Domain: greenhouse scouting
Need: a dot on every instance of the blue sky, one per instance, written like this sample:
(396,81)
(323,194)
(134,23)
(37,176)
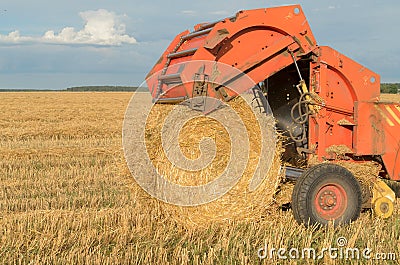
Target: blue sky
(58,44)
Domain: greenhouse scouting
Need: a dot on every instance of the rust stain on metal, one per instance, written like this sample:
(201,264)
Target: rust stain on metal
(220,35)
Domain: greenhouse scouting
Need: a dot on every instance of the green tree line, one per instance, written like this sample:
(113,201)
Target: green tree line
(102,88)
(390,88)
(387,88)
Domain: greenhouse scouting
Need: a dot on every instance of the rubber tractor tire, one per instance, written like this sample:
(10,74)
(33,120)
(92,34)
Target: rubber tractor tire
(326,193)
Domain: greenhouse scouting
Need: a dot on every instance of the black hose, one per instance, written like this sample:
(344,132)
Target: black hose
(302,103)
(303,133)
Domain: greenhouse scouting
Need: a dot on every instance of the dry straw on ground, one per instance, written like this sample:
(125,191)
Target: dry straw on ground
(366,172)
(239,203)
(67,197)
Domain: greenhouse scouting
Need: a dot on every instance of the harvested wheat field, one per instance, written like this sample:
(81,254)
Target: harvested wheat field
(67,197)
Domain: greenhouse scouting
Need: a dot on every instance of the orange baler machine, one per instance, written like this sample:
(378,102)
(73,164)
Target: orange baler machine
(335,99)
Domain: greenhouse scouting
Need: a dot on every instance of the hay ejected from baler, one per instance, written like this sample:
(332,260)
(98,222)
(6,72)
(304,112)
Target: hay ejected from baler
(326,107)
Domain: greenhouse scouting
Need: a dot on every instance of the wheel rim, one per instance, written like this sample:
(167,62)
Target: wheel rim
(331,201)
(383,207)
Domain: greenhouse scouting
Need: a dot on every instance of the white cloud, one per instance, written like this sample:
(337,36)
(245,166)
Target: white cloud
(14,37)
(102,27)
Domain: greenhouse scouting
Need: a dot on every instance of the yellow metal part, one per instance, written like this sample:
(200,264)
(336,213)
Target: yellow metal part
(383,199)
(383,207)
(304,89)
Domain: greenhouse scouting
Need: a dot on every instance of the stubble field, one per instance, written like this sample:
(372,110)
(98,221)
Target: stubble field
(67,197)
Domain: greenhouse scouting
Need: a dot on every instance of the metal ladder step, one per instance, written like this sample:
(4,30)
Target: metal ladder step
(196,34)
(183,53)
(212,24)
(170,100)
(170,79)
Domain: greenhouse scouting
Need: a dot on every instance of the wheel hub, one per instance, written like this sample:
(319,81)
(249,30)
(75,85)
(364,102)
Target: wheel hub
(330,201)
(383,207)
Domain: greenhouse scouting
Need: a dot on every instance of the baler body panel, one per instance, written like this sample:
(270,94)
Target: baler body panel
(339,82)
(378,133)
(254,42)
